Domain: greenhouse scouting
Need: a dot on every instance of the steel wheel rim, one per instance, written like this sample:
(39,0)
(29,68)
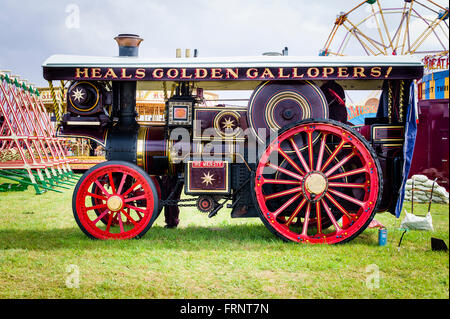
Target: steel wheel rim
(296,197)
(117,203)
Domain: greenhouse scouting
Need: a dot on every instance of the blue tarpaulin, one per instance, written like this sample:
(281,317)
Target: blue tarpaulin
(408,147)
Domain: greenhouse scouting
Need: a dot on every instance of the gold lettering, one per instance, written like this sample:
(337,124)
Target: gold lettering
(84,73)
(233,73)
(158,73)
(266,73)
(140,73)
(281,75)
(252,73)
(215,73)
(388,71)
(95,73)
(110,73)
(201,73)
(327,72)
(358,72)
(311,74)
(342,72)
(184,76)
(295,74)
(172,73)
(375,72)
(124,74)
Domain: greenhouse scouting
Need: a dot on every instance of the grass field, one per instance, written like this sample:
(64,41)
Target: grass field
(207,258)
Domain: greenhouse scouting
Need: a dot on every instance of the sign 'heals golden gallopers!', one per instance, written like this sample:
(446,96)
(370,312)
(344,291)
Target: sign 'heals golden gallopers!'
(215,74)
(259,68)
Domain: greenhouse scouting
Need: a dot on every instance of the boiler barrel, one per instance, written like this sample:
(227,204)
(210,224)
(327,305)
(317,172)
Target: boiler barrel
(145,146)
(152,151)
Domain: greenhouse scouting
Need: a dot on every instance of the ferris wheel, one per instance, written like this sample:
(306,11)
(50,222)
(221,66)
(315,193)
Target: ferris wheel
(392,27)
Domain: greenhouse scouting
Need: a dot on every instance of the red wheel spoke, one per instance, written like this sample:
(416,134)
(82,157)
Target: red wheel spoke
(339,164)
(350,185)
(283,193)
(138,213)
(335,203)
(346,197)
(319,218)
(111,182)
(330,215)
(285,171)
(306,220)
(310,150)
(130,189)
(96,196)
(128,217)
(290,161)
(297,210)
(102,188)
(321,151)
(111,217)
(299,155)
(279,181)
(349,173)
(96,207)
(120,222)
(286,205)
(134,198)
(100,216)
(333,155)
(124,176)
(136,208)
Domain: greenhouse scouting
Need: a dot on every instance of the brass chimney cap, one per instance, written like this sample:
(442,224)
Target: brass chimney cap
(128,40)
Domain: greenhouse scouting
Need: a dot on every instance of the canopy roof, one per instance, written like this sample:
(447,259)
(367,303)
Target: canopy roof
(230,62)
(231,69)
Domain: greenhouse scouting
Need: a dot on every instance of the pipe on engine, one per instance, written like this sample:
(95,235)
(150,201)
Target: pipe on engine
(127,141)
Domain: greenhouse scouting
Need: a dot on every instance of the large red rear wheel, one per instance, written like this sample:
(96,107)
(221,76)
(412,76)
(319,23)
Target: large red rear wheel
(318,181)
(115,200)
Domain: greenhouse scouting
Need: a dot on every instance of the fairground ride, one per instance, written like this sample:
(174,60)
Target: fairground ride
(407,27)
(370,28)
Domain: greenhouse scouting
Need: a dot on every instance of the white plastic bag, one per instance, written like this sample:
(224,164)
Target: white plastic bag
(414,222)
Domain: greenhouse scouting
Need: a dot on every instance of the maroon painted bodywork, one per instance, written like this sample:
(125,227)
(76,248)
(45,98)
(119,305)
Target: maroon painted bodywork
(431,152)
(207,177)
(152,149)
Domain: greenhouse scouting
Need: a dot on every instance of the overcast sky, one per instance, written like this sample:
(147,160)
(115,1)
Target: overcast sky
(30,31)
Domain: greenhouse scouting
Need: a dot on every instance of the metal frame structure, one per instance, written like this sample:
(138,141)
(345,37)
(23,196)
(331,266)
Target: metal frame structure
(398,30)
(30,152)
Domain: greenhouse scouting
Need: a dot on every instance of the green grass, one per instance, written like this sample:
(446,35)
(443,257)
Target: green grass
(207,258)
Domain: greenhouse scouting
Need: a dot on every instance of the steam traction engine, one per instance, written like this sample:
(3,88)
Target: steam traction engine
(289,157)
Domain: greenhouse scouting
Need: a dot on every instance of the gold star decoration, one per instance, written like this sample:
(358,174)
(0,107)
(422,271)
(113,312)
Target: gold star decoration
(228,123)
(208,178)
(77,95)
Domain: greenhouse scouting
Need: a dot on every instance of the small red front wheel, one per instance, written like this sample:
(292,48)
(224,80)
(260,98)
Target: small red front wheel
(115,200)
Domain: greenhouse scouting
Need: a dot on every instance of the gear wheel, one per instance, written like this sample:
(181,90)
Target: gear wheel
(205,204)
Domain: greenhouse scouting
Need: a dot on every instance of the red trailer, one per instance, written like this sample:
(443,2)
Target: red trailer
(431,154)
